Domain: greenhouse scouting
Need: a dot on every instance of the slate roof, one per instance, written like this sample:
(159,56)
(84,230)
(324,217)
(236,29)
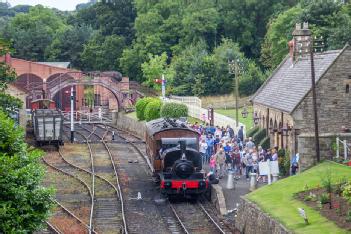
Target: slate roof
(290,83)
(56,64)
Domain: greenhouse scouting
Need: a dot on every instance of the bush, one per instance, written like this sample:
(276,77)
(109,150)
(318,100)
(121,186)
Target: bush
(259,135)
(324,198)
(174,110)
(265,143)
(140,107)
(25,203)
(284,162)
(252,131)
(348,218)
(346,193)
(152,110)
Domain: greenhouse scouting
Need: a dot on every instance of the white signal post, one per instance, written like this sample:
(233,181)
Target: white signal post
(72,115)
(163,87)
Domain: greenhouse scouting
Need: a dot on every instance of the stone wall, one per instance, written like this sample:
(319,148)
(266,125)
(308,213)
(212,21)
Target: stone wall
(307,150)
(128,124)
(20,94)
(252,220)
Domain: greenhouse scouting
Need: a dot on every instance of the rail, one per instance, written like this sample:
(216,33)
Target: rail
(125,227)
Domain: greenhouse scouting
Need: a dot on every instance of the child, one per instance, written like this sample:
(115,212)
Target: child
(213,164)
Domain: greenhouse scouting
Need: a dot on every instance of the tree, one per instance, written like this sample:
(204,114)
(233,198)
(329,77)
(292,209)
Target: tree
(152,110)
(174,110)
(69,44)
(154,68)
(32,33)
(7,74)
(103,53)
(24,203)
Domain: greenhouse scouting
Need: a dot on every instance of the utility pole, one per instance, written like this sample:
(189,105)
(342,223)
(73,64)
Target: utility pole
(236,94)
(234,70)
(304,44)
(72,116)
(314,100)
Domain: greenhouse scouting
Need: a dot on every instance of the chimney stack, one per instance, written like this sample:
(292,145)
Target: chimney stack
(301,40)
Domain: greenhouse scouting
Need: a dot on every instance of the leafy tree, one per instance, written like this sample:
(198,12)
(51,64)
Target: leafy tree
(103,53)
(154,68)
(9,103)
(69,44)
(32,33)
(7,74)
(24,203)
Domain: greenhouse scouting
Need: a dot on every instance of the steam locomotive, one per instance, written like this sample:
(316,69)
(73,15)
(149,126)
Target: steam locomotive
(173,149)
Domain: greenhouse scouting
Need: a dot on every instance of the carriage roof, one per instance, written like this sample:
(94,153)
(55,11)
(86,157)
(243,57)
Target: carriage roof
(165,124)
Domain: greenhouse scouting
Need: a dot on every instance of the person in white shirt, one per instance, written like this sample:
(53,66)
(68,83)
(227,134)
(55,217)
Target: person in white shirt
(203,148)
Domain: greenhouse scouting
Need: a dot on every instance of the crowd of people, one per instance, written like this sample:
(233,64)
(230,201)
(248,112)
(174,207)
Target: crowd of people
(222,150)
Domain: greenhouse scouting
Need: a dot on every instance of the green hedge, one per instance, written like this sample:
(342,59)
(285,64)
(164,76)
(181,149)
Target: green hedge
(174,110)
(265,143)
(252,131)
(152,110)
(141,105)
(259,135)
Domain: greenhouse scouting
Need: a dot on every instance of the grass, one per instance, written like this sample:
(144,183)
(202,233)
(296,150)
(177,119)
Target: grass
(248,121)
(278,199)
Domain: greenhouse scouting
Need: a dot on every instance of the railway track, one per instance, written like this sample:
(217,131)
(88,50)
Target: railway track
(107,206)
(65,219)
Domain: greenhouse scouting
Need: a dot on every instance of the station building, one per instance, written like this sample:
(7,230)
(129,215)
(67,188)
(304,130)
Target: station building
(284,102)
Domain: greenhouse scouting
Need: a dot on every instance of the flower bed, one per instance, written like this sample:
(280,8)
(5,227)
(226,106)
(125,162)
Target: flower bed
(318,199)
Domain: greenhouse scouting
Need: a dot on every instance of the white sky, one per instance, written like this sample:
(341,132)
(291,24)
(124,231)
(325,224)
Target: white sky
(69,5)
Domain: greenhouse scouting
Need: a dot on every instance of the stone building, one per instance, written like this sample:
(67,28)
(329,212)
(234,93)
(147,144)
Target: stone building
(284,102)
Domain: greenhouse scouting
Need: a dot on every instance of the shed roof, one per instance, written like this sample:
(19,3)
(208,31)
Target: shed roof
(56,64)
(290,82)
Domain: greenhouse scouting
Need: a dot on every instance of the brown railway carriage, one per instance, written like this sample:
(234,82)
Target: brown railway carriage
(162,128)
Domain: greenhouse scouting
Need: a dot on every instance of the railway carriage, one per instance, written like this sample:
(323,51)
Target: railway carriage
(173,151)
(47,123)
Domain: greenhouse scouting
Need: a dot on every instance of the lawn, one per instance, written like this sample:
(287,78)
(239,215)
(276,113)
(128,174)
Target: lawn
(248,121)
(277,199)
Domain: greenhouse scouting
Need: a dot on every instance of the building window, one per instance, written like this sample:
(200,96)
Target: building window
(347,90)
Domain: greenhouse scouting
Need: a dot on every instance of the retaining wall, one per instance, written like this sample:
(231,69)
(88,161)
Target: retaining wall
(252,220)
(129,124)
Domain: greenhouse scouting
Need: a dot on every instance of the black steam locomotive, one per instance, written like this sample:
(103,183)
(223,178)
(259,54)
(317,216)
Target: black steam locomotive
(173,151)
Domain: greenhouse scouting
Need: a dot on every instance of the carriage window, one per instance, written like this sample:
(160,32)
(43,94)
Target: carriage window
(347,88)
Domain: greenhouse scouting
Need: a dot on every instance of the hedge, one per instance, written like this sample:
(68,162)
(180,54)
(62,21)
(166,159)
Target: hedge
(174,110)
(252,131)
(152,110)
(259,135)
(140,107)
(265,143)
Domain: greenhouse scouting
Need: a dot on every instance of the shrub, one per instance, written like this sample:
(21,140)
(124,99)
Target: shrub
(346,193)
(284,162)
(265,143)
(25,204)
(174,110)
(140,107)
(252,131)
(327,181)
(324,198)
(152,110)
(259,135)
(339,187)
(348,218)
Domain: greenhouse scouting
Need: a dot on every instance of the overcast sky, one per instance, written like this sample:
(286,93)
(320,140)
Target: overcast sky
(59,4)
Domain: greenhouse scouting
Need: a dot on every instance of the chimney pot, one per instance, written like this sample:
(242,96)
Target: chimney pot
(305,25)
(298,26)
